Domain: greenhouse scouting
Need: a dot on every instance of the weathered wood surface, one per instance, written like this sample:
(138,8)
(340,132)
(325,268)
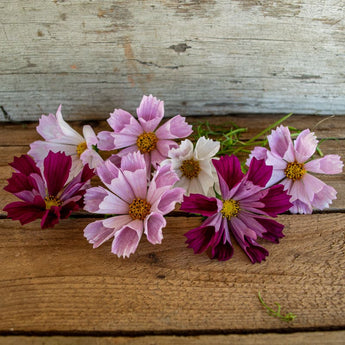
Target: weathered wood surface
(201,56)
(315,338)
(53,283)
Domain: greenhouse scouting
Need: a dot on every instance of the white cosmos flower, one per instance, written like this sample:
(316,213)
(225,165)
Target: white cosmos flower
(61,137)
(194,165)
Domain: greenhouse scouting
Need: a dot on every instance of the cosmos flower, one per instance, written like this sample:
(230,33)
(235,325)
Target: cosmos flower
(193,166)
(45,194)
(292,165)
(131,135)
(244,210)
(139,208)
(61,137)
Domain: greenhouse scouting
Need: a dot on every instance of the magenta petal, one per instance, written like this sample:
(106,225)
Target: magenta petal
(50,217)
(57,167)
(25,164)
(20,182)
(201,204)
(229,172)
(255,252)
(25,212)
(276,201)
(259,173)
(274,230)
(222,248)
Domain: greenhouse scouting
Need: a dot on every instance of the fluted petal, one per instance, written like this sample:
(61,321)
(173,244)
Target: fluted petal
(329,164)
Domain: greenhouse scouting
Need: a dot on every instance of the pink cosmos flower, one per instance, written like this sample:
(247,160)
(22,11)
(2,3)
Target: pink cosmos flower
(291,162)
(244,210)
(143,135)
(139,208)
(61,137)
(45,194)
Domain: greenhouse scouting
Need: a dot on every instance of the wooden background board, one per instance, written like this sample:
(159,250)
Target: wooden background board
(201,56)
(52,283)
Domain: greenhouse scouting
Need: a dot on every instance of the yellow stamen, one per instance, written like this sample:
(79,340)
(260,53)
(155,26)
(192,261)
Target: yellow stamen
(147,142)
(139,209)
(230,208)
(190,168)
(81,148)
(294,171)
(51,200)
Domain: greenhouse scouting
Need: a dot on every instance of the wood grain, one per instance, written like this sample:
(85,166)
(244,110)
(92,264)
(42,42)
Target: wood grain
(52,280)
(201,57)
(314,338)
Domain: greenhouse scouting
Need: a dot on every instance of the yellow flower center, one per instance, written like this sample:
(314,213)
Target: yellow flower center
(230,208)
(190,168)
(51,200)
(147,142)
(81,148)
(294,171)
(139,209)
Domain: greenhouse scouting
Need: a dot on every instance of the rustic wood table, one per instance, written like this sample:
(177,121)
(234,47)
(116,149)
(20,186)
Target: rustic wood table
(56,289)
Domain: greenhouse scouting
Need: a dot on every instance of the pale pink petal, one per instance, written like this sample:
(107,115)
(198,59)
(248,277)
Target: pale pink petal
(128,150)
(153,225)
(96,233)
(127,239)
(138,182)
(169,199)
(177,127)
(305,145)
(107,172)
(324,198)
(106,141)
(156,158)
(40,149)
(120,119)
(90,136)
(48,127)
(112,204)
(301,207)
(206,148)
(277,176)
(312,186)
(93,197)
(164,146)
(117,222)
(280,143)
(92,158)
(329,164)
(299,191)
(276,161)
(259,153)
(150,113)
(133,161)
(124,140)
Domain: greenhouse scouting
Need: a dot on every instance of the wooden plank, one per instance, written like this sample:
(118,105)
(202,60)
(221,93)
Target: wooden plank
(203,57)
(52,281)
(314,338)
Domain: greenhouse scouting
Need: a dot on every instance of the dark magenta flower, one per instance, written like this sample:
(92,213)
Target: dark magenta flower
(45,194)
(244,210)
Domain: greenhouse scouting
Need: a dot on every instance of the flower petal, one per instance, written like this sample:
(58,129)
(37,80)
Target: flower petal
(259,173)
(150,112)
(127,239)
(197,203)
(25,164)
(305,145)
(206,148)
(281,144)
(324,197)
(169,199)
(153,225)
(177,127)
(56,171)
(329,164)
(50,217)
